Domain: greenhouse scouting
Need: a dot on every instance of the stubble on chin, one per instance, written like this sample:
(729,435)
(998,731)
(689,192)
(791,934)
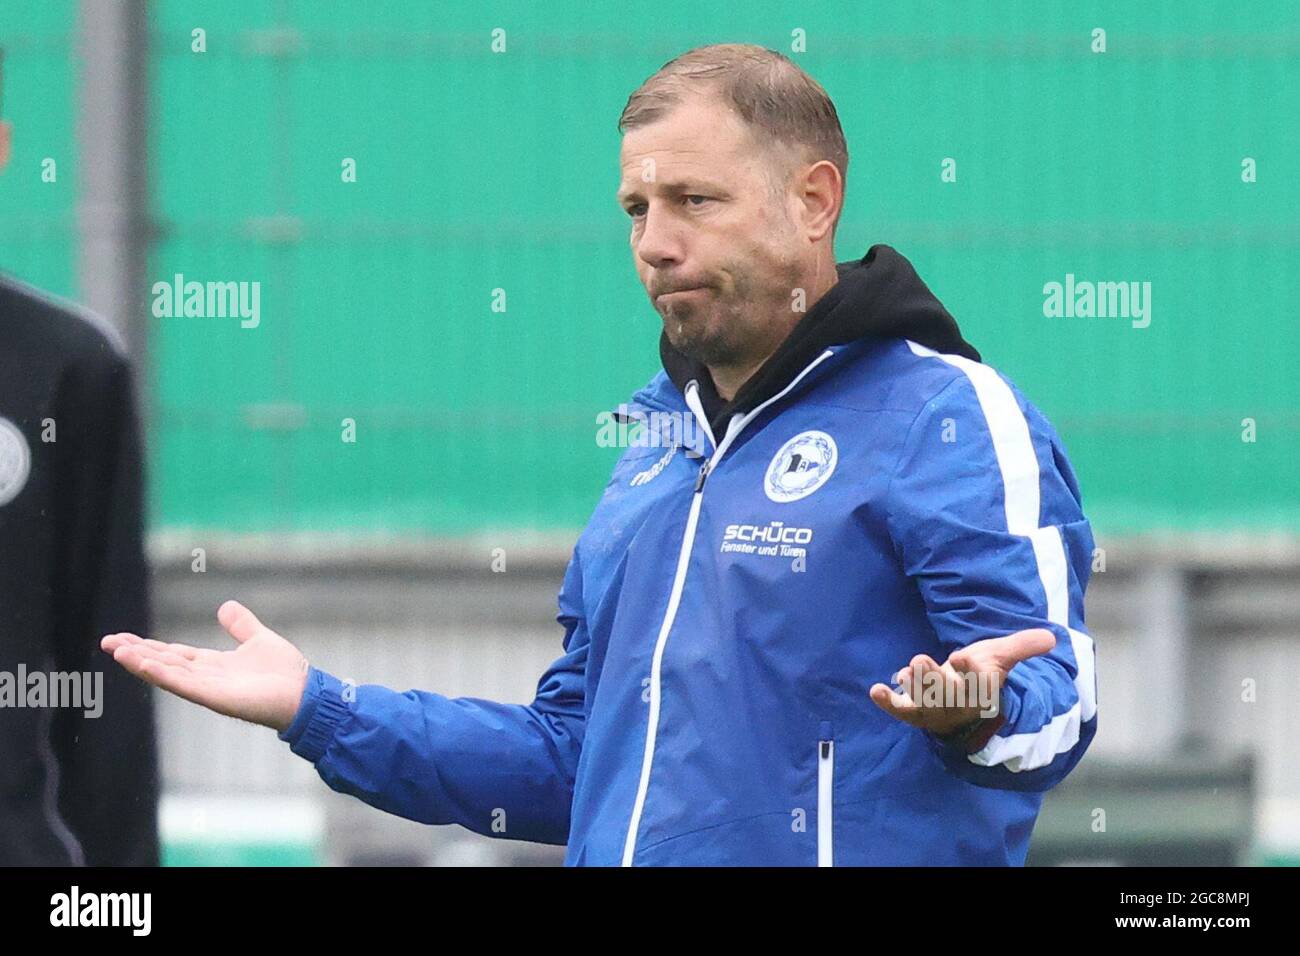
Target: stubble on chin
(691,335)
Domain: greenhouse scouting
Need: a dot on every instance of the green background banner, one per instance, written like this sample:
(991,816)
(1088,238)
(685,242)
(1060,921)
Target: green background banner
(479,171)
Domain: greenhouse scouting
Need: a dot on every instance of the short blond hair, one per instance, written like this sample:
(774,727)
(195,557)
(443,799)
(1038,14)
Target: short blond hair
(779,102)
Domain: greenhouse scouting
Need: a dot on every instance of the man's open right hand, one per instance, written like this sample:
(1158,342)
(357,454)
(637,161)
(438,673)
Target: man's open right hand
(260,681)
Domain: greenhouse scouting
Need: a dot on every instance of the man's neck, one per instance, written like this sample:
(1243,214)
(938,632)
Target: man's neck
(729,379)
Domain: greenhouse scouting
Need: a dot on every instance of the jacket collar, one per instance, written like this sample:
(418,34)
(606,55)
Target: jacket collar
(878,296)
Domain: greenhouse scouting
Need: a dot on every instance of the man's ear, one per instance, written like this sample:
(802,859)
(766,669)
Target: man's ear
(823,198)
(6,137)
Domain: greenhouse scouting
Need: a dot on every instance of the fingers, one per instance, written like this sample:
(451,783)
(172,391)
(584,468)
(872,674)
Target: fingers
(239,622)
(111,642)
(182,650)
(204,679)
(149,664)
(915,677)
(907,676)
(928,694)
(922,663)
(132,656)
(176,675)
(1003,653)
(896,705)
(932,692)
(1031,643)
(172,677)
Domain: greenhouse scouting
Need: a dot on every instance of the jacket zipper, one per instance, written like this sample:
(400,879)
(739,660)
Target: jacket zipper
(734,428)
(825,796)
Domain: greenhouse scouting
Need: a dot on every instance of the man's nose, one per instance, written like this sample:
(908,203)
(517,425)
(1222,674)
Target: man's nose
(661,242)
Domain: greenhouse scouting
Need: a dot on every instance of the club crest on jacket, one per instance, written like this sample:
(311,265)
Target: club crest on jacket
(803,464)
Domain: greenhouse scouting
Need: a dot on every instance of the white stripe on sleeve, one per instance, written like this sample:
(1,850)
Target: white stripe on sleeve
(1018,465)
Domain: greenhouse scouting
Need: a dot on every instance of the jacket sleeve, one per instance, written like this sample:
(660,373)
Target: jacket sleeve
(107,761)
(985,516)
(504,770)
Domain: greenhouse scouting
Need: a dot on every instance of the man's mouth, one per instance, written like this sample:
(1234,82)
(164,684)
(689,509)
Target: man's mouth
(665,295)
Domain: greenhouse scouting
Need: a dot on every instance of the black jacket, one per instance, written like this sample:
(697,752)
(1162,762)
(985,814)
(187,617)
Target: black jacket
(73,789)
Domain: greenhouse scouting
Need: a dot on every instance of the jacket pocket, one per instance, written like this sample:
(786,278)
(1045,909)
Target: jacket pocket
(825,795)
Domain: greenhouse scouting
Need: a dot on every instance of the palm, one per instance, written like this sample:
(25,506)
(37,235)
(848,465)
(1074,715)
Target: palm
(261,680)
(993,658)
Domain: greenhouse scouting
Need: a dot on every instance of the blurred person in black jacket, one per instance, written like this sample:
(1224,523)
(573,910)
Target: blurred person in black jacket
(74,788)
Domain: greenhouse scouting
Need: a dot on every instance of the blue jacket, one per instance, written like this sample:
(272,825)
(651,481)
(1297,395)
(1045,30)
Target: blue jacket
(727,608)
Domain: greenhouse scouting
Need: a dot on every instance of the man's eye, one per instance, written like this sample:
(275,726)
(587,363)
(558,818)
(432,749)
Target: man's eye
(636,210)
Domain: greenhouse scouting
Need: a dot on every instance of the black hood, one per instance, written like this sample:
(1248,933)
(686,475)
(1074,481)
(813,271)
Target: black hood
(878,296)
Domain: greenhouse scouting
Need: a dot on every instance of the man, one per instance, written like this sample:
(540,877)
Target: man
(871,501)
(79,783)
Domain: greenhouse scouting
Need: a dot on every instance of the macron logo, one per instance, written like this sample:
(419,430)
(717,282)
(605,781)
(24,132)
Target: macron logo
(650,474)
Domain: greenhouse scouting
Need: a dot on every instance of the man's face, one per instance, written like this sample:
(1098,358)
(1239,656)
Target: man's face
(709,222)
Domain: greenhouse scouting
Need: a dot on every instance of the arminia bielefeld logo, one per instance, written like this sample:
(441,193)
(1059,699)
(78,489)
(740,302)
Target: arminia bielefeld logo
(803,465)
